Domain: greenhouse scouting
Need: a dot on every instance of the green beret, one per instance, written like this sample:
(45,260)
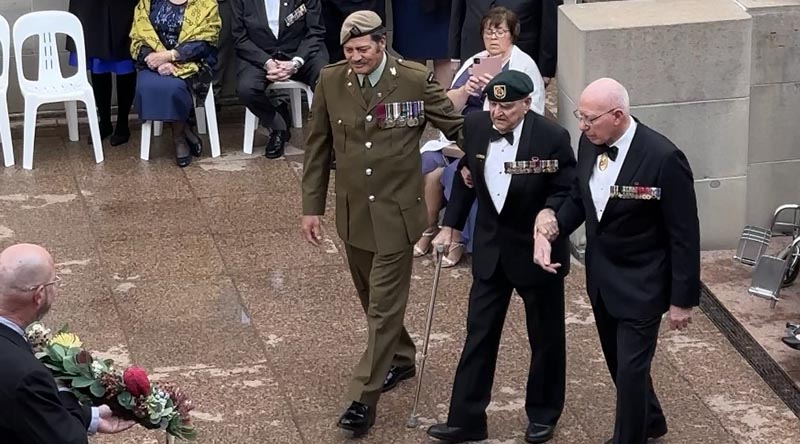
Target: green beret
(509,86)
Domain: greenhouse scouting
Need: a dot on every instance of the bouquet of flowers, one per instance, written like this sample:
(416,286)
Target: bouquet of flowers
(128,392)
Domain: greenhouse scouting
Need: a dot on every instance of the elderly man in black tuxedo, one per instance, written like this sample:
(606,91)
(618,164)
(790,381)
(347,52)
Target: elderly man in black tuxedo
(276,40)
(538,20)
(635,191)
(32,408)
(520,163)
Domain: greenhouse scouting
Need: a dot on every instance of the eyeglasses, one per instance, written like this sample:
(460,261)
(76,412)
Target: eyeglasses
(500,33)
(589,121)
(56,282)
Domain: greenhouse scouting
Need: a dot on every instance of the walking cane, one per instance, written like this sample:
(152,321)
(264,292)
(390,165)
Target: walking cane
(413,421)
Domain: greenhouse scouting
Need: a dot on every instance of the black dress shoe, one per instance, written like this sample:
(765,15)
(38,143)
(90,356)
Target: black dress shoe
(397,374)
(651,434)
(106,129)
(539,433)
(454,435)
(120,136)
(195,148)
(358,418)
(277,140)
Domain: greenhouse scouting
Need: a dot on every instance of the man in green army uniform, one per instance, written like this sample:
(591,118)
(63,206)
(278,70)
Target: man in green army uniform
(370,110)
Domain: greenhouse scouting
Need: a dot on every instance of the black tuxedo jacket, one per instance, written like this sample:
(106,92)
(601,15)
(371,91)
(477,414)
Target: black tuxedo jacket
(643,255)
(255,42)
(507,238)
(32,410)
(538,20)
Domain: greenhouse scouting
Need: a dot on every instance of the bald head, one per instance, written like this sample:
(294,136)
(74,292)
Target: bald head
(22,268)
(608,93)
(605,109)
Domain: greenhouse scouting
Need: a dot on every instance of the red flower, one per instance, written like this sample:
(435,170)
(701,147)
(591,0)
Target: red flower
(136,382)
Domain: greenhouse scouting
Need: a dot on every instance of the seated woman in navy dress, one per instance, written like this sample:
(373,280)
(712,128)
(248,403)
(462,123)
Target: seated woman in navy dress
(500,29)
(173,42)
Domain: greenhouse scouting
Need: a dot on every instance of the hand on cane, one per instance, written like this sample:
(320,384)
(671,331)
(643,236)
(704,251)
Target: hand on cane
(442,242)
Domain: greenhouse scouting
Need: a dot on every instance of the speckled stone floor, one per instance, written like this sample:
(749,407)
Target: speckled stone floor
(200,276)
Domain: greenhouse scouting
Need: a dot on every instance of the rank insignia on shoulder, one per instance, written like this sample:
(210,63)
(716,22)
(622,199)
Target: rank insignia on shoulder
(430,78)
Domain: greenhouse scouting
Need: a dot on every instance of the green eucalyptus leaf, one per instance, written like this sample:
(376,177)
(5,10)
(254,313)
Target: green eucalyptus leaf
(81,382)
(125,399)
(97,389)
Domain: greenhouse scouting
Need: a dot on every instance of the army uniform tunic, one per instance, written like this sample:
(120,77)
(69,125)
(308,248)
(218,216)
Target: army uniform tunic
(375,133)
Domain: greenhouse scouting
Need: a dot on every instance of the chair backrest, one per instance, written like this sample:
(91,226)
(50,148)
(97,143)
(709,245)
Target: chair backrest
(5,45)
(46,24)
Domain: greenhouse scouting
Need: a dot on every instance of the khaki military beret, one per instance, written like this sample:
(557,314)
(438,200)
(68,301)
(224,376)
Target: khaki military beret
(359,23)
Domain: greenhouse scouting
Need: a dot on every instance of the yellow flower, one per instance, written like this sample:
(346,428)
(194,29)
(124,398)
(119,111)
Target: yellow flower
(67,340)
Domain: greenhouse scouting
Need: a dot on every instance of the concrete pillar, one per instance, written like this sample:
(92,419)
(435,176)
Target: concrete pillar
(686,65)
(774,154)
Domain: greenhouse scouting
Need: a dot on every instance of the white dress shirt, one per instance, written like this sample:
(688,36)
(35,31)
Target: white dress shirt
(600,182)
(499,152)
(273,15)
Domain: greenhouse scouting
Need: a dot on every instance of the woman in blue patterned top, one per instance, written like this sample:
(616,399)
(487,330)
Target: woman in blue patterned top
(174,43)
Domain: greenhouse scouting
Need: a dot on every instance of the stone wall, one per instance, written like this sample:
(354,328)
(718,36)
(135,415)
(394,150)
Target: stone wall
(719,78)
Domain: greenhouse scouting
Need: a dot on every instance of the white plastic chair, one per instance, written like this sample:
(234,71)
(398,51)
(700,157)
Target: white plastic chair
(251,121)
(5,122)
(206,111)
(52,86)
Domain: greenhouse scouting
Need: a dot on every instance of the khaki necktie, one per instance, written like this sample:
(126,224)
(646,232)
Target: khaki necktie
(367,90)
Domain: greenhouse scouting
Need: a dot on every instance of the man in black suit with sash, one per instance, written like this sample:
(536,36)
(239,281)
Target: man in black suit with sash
(276,40)
(32,408)
(538,21)
(635,191)
(520,163)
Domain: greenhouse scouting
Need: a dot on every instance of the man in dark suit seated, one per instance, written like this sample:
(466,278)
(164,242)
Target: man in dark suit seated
(276,41)
(520,163)
(32,408)
(635,191)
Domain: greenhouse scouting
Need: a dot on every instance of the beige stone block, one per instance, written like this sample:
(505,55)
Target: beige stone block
(774,132)
(776,42)
(662,52)
(713,134)
(770,185)
(721,210)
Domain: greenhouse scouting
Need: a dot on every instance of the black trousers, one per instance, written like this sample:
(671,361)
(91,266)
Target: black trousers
(629,346)
(226,57)
(333,14)
(544,315)
(252,83)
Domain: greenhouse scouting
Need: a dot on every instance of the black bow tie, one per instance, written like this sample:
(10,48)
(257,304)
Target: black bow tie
(611,150)
(497,136)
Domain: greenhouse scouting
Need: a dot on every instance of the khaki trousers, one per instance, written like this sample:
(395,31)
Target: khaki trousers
(382,282)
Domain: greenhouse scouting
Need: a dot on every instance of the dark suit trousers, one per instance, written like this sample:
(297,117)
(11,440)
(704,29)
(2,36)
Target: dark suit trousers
(544,314)
(252,85)
(382,282)
(629,346)
(226,59)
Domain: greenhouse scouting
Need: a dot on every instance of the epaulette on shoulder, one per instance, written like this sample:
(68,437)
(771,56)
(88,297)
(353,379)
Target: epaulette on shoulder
(333,65)
(412,65)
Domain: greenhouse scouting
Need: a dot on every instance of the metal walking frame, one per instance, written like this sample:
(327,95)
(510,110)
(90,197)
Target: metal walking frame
(772,273)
